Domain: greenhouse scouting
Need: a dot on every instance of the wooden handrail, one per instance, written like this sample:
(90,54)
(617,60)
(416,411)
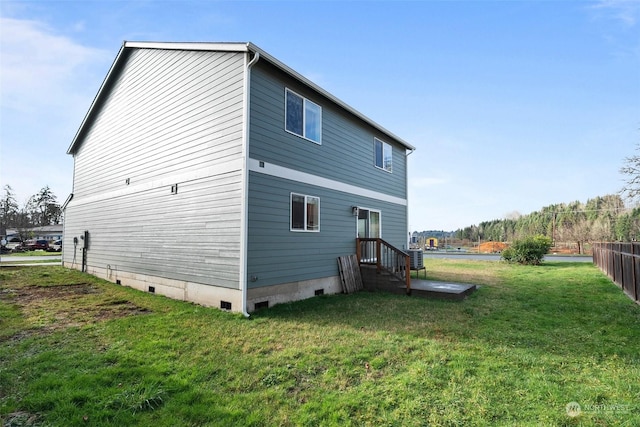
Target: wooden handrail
(375,251)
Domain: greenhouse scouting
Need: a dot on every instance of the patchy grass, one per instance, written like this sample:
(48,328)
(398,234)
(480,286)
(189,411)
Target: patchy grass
(75,350)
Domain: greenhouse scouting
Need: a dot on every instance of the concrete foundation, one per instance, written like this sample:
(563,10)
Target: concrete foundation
(269,296)
(218,296)
(205,295)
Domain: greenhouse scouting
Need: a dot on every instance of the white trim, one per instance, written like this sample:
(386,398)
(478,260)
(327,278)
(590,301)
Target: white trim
(207,46)
(167,181)
(304,116)
(318,181)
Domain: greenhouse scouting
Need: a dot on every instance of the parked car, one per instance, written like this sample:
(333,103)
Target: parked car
(56,247)
(12,244)
(34,245)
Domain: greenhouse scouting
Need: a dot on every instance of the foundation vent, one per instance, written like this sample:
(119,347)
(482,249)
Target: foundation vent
(152,289)
(225,305)
(318,292)
(261,304)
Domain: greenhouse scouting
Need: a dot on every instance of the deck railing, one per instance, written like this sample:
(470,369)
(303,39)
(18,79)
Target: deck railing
(386,257)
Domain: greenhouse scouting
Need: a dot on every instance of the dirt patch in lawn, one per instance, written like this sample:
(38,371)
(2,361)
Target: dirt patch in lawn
(51,308)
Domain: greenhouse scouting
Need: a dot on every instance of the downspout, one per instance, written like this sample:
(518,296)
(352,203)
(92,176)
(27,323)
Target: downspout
(244,214)
(406,185)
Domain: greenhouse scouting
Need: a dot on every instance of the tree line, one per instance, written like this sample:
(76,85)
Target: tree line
(599,219)
(39,210)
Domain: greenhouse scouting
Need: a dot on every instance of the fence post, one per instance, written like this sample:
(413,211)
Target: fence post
(621,261)
(610,269)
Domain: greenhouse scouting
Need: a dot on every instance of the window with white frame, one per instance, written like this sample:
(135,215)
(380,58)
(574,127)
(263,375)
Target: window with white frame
(383,154)
(303,117)
(305,213)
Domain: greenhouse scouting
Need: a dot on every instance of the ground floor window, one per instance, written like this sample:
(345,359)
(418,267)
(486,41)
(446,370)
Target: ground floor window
(305,212)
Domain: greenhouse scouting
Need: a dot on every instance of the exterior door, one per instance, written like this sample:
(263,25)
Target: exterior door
(368,227)
(368,223)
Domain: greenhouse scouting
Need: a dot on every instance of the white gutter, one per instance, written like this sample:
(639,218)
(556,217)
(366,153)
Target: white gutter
(244,214)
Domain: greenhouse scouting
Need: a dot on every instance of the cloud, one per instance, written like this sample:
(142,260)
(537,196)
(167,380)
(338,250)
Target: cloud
(625,11)
(39,67)
(47,83)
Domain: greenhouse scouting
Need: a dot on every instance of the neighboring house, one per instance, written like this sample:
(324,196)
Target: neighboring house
(214,173)
(45,232)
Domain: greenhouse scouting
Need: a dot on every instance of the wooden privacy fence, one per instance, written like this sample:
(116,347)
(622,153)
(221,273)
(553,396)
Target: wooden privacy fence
(621,262)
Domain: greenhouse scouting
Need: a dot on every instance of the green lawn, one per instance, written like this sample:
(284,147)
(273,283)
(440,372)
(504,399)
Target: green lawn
(54,257)
(37,253)
(75,350)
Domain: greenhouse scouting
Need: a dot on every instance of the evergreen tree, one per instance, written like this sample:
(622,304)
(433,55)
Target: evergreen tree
(8,210)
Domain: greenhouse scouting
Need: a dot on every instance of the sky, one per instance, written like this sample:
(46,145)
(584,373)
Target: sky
(511,105)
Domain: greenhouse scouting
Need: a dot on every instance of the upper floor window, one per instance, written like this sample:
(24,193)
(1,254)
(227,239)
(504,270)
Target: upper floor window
(305,213)
(383,154)
(303,117)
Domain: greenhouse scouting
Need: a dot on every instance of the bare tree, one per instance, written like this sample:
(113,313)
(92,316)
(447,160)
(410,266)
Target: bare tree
(632,170)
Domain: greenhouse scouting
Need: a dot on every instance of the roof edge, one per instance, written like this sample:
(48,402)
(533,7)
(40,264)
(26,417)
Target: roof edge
(207,46)
(223,47)
(253,48)
(89,113)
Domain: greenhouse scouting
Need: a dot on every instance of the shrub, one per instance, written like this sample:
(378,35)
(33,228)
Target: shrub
(529,250)
(508,254)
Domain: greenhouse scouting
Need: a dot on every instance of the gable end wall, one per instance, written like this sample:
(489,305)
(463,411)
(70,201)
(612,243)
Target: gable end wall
(170,118)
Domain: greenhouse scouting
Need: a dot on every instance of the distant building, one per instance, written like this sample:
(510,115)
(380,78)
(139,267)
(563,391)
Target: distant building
(431,243)
(46,232)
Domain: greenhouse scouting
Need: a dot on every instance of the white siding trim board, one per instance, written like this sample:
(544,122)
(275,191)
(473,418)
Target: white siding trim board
(306,178)
(217,170)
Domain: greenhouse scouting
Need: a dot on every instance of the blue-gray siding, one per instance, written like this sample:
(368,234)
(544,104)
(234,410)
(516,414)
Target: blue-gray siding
(170,117)
(175,117)
(347,150)
(278,255)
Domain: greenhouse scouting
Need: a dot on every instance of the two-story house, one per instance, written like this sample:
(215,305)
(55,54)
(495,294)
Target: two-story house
(214,173)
